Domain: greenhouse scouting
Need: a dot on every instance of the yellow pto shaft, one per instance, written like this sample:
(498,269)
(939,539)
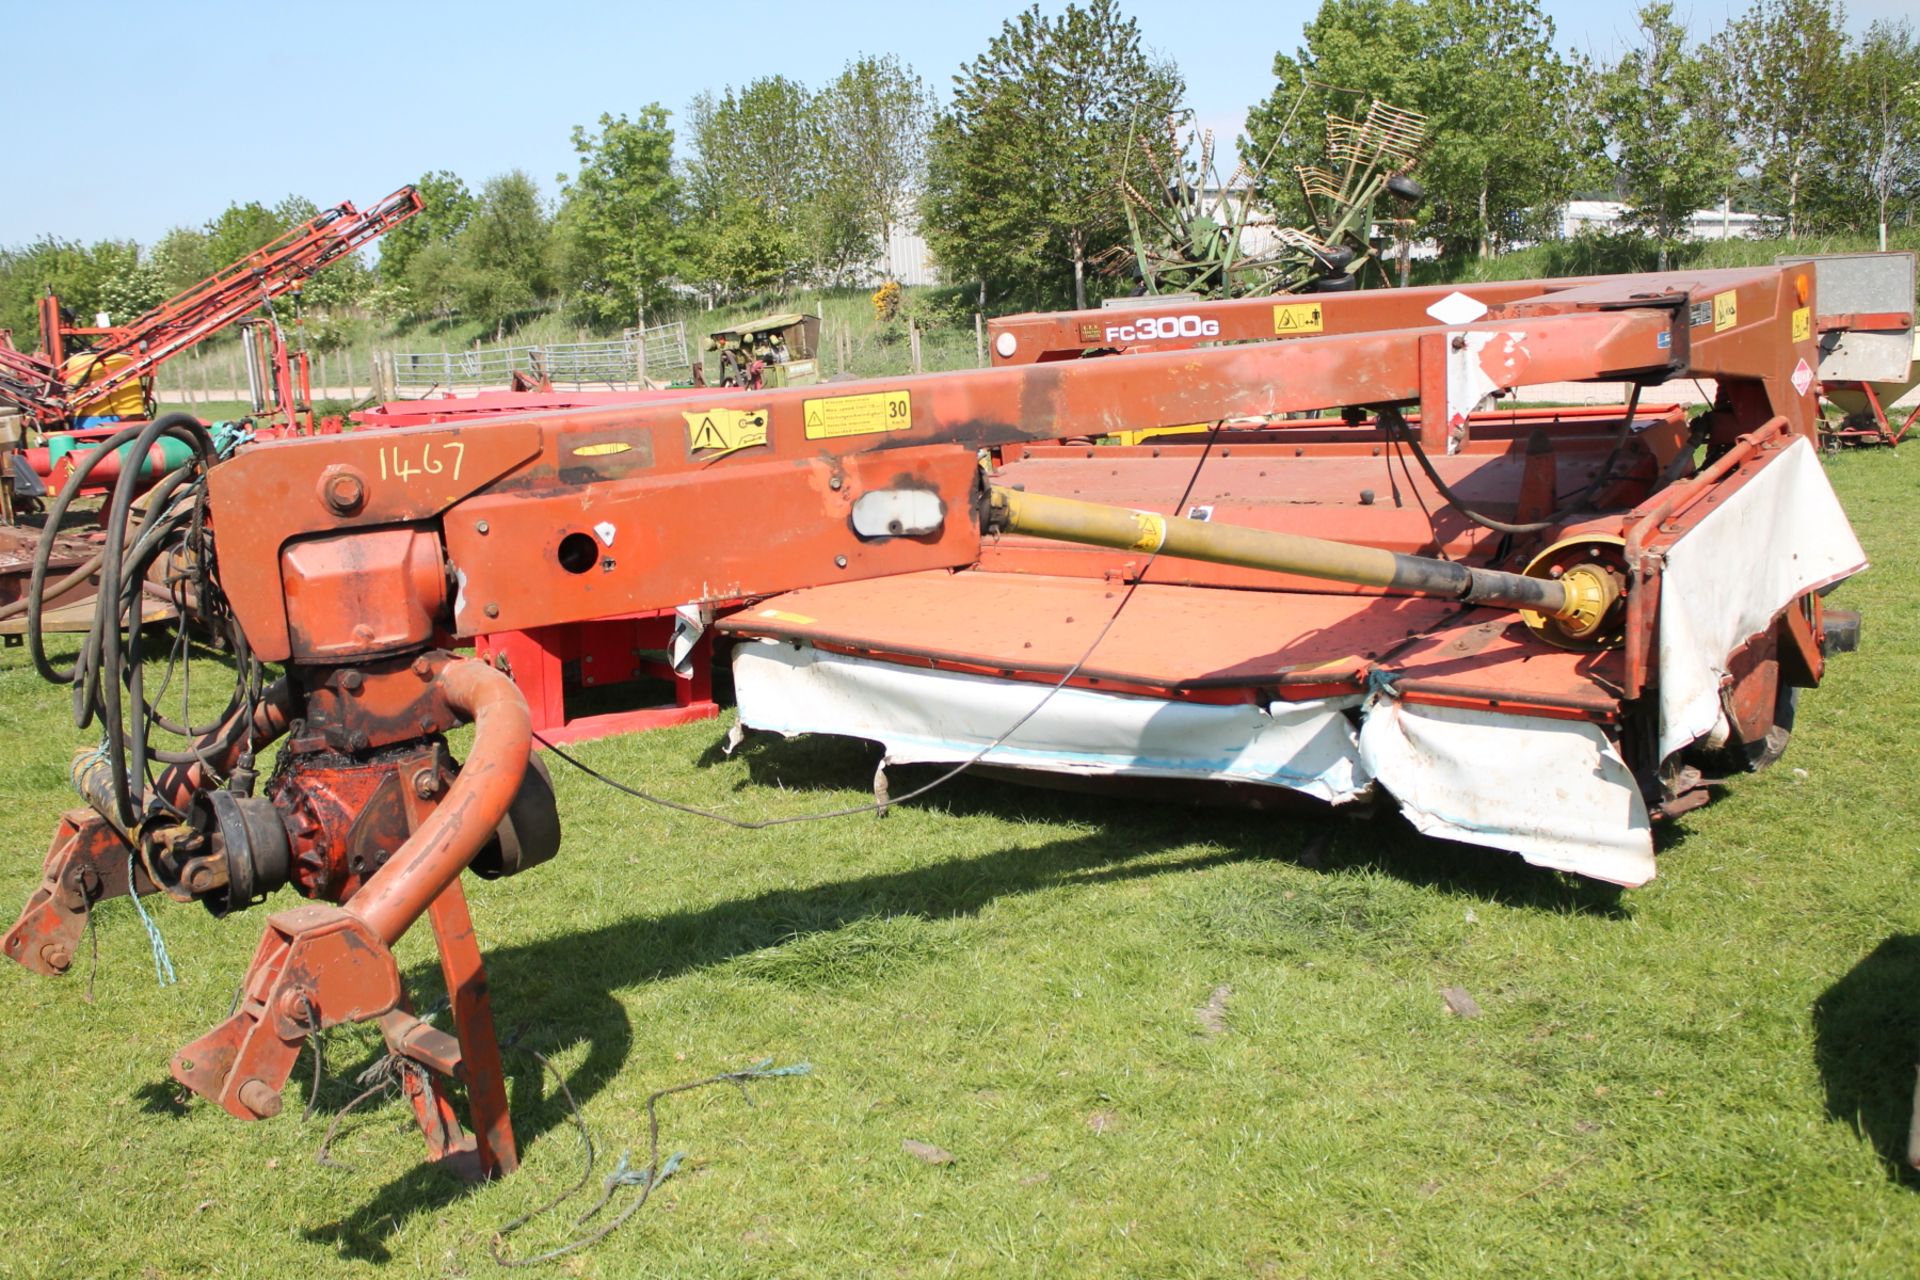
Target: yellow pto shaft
(1573,605)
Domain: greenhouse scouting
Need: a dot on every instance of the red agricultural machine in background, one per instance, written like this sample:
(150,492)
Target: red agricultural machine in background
(85,382)
(83,372)
(1540,631)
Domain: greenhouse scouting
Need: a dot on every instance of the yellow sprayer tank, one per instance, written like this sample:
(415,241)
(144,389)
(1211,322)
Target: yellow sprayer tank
(126,401)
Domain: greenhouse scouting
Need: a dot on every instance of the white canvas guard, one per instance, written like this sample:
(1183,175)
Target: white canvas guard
(1556,792)
(1779,536)
(923,716)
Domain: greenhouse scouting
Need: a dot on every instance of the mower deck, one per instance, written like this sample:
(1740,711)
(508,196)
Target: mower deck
(1229,676)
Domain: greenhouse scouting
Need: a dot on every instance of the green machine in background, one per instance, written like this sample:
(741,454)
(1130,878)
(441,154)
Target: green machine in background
(773,351)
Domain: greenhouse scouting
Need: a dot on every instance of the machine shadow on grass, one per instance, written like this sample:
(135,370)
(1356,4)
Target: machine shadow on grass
(1318,836)
(1866,1036)
(1129,839)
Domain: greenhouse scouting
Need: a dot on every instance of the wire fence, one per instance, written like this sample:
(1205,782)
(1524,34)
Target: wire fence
(630,361)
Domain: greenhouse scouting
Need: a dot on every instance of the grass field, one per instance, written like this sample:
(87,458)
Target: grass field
(1708,1076)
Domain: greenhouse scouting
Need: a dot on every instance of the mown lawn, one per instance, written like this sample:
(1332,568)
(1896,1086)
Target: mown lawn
(1710,1075)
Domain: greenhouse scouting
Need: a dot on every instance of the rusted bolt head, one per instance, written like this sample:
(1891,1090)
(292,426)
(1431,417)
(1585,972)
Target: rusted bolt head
(293,1006)
(343,490)
(423,668)
(363,633)
(200,879)
(351,681)
(258,1098)
(1459,342)
(56,956)
(493,610)
(425,783)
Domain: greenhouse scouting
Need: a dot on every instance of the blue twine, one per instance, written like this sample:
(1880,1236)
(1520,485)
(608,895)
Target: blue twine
(626,1176)
(1382,683)
(162,964)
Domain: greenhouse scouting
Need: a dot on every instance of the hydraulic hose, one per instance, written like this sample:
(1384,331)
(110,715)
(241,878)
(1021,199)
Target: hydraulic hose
(111,661)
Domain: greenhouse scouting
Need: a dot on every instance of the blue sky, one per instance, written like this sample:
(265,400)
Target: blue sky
(212,101)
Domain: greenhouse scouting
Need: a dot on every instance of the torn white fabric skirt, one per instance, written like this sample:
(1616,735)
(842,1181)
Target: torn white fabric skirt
(923,716)
(1774,539)
(1556,792)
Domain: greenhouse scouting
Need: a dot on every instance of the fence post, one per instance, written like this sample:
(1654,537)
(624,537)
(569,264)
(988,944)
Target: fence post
(979,343)
(913,343)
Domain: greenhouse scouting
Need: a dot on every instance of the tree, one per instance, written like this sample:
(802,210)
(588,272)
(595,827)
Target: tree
(130,284)
(617,216)
(1354,50)
(1670,144)
(1875,139)
(875,117)
(445,207)
(503,260)
(760,149)
(1497,168)
(1784,61)
(1024,176)
(239,231)
(745,250)
(433,281)
(1501,143)
(183,257)
(105,276)
(761,145)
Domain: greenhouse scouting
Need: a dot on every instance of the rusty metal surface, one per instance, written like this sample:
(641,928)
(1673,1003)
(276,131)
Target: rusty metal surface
(17,546)
(464,819)
(718,523)
(317,967)
(1034,337)
(88,860)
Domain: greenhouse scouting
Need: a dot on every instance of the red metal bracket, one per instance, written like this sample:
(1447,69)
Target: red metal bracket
(87,861)
(316,967)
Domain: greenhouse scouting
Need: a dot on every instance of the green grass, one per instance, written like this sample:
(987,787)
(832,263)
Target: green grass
(1710,1075)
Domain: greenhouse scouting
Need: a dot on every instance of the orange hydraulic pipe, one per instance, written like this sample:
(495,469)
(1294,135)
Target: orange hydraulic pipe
(436,853)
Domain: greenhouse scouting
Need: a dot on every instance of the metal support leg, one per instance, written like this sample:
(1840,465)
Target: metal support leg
(480,1066)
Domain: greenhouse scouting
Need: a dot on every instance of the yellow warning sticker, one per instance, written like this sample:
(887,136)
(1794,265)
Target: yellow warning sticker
(605,448)
(1726,311)
(1293,318)
(1802,323)
(725,430)
(872,414)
